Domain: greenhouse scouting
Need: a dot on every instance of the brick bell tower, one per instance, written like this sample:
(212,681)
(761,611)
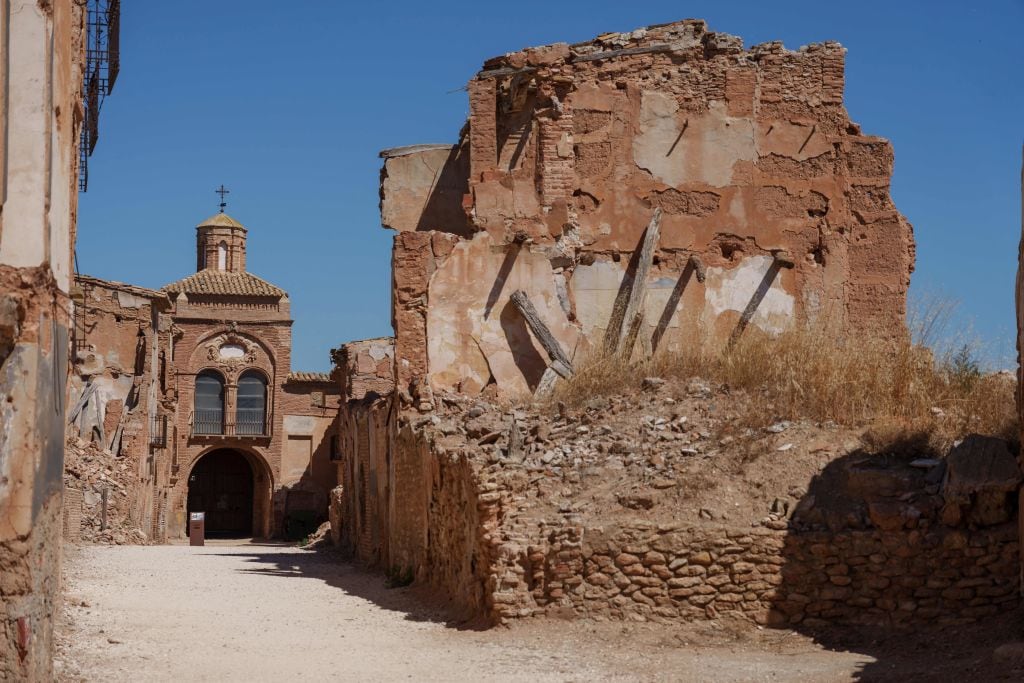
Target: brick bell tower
(220,244)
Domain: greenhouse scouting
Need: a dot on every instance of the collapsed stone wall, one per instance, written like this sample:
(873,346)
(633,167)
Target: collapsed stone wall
(102,494)
(364,475)
(516,513)
(400,507)
(774,207)
(908,552)
(118,394)
(432,523)
(359,511)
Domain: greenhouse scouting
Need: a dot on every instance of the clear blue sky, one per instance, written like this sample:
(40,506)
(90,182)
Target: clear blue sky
(289,103)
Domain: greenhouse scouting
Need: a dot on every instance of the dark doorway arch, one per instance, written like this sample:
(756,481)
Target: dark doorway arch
(222,485)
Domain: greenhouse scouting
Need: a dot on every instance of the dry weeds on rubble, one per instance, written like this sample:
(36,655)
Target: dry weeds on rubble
(899,390)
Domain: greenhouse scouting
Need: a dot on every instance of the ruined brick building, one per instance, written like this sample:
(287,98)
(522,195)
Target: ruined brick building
(663,188)
(193,386)
(768,207)
(45,115)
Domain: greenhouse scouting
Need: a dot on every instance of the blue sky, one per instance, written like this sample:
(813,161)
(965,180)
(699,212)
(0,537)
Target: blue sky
(288,105)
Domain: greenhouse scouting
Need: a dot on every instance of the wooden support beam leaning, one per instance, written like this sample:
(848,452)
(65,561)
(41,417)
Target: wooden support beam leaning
(780,259)
(90,388)
(624,314)
(560,362)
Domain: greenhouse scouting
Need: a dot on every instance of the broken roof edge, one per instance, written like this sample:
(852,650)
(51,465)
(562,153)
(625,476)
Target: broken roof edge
(413,149)
(666,37)
(144,292)
(386,338)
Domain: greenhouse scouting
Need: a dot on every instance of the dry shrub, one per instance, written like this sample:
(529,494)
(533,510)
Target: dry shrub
(598,376)
(822,376)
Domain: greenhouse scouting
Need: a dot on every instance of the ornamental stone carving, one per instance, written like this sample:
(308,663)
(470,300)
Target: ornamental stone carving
(231,349)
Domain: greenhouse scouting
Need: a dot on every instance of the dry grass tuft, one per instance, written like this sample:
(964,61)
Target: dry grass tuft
(899,387)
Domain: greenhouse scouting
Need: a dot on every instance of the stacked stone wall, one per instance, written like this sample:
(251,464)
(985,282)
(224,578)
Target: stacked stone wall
(481,534)
(777,577)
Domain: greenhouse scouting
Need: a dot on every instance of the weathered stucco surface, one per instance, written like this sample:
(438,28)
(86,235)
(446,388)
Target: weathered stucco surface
(470,337)
(40,104)
(758,171)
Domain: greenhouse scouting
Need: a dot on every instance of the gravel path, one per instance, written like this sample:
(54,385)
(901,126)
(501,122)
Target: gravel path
(274,612)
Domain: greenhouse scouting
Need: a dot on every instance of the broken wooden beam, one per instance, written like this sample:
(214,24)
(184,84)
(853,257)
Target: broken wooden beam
(516,452)
(547,383)
(83,399)
(783,258)
(504,71)
(540,330)
(608,54)
(698,267)
(626,308)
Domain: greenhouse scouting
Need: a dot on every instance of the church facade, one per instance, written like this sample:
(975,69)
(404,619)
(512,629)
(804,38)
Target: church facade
(193,385)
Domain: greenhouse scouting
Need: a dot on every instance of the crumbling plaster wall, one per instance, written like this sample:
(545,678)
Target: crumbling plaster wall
(749,154)
(40,77)
(405,504)
(414,509)
(308,471)
(118,382)
(364,372)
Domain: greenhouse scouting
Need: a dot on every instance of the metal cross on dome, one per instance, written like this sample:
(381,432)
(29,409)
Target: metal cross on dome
(222,191)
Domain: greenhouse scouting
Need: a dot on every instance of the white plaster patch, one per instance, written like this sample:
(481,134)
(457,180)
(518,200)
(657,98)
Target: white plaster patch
(695,149)
(471,331)
(379,352)
(299,425)
(596,286)
(733,288)
(127,300)
(232,351)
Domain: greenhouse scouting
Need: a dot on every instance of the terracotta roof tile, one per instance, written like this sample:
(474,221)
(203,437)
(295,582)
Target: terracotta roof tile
(309,377)
(220,220)
(222,282)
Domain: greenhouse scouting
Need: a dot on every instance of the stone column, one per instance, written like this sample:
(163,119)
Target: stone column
(230,403)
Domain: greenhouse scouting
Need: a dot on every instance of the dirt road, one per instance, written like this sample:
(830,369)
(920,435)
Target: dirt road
(273,613)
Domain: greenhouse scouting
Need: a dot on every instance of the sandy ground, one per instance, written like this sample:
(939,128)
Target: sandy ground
(274,612)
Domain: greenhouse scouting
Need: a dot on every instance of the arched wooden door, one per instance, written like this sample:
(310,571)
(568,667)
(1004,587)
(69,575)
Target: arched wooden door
(221,485)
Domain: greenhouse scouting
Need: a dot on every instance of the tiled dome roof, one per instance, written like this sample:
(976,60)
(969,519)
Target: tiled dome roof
(220,220)
(222,282)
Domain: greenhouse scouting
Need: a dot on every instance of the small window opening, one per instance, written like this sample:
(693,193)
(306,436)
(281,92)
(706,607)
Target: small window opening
(222,256)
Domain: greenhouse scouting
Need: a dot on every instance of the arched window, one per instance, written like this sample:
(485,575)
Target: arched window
(251,418)
(208,416)
(222,256)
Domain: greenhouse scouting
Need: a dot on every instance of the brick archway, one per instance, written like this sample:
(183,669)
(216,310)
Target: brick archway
(234,486)
(221,485)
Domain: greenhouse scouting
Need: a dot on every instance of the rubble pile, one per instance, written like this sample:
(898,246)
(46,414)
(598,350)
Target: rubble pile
(107,483)
(662,451)
(672,502)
